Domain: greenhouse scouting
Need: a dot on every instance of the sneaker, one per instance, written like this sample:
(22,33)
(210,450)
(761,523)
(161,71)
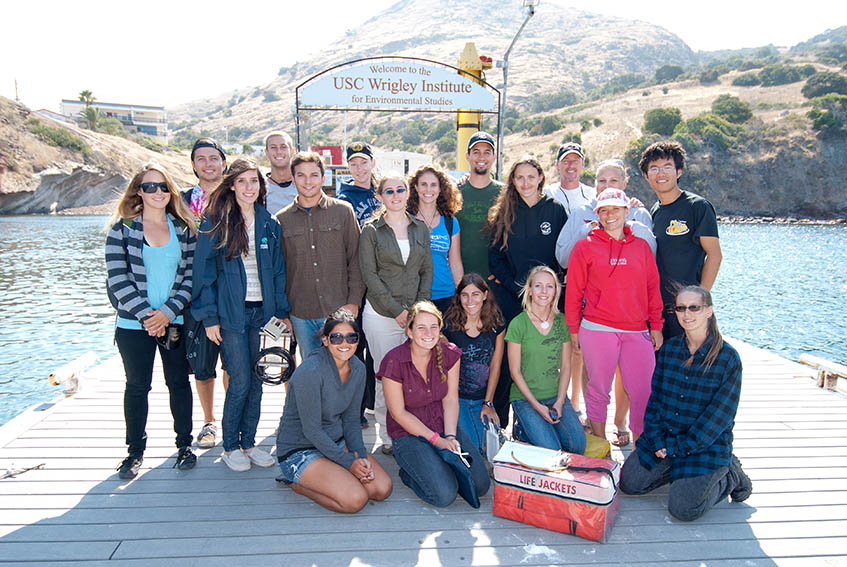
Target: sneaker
(745,486)
(237,461)
(129,467)
(260,457)
(185,459)
(387,449)
(206,438)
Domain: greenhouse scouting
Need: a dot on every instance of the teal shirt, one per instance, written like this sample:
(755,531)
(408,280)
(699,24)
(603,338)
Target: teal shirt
(160,266)
(541,356)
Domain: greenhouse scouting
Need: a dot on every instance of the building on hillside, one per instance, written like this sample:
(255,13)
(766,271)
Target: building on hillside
(53,115)
(149,120)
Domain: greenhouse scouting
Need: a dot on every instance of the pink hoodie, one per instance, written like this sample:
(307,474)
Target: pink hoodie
(618,280)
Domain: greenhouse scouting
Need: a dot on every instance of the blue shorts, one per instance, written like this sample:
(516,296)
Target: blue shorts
(292,467)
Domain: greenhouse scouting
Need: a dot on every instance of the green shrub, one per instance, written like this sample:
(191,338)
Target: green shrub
(779,74)
(711,129)
(447,142)
(269,95)
(636,147)
(824,83)
(572,137)
(667,73)
(546,102)
(597,122)
(746,80)
(662,120)
(829,112)
(732,108)
(59,137)
(709,76)
(112,126)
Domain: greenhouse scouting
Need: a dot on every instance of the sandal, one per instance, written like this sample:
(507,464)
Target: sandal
(624,438)
(206,437)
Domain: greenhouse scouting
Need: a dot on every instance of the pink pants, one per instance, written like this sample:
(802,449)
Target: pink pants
(603,351)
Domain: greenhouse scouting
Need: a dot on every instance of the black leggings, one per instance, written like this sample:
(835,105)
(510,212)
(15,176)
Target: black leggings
(137,350)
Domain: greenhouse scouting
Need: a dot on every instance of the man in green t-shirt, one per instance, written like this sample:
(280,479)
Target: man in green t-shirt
(479,192)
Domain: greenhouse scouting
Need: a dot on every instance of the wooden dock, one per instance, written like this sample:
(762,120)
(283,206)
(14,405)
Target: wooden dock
(790,435)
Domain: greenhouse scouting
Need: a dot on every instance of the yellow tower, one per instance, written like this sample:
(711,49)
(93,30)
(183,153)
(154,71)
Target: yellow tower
(468,122)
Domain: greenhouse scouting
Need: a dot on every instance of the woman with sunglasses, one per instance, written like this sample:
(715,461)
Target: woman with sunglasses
(421,381)
(475,325)
(613,308)
(687,438)
(396,264)
(241,280)
(319,446)
(434,199)
(149,259)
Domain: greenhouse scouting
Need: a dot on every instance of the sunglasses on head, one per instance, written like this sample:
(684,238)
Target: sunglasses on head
(399,191)
(338,338)
(151,186)
(692,308)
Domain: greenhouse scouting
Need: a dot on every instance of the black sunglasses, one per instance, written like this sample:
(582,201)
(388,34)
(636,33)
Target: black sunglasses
(338,338)
(151,187)
(692,308)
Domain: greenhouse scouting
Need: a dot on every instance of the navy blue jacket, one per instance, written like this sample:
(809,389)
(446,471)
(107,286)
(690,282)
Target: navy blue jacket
(221,285)
(363,201)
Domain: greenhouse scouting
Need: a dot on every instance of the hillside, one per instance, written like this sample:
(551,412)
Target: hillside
(560,49)
(53,165)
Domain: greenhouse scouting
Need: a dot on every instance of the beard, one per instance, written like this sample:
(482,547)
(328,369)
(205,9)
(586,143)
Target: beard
(481,170)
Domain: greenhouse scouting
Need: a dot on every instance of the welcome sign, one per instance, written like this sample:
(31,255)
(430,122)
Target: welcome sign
(396,83)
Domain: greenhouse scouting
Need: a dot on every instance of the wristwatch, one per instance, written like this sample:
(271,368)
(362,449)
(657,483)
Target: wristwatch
(489,404)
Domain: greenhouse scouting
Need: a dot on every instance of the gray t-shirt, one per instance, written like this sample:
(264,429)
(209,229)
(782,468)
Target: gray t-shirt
(279,196)
(320,410)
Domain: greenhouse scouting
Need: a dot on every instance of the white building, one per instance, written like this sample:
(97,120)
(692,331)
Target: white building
(149,120)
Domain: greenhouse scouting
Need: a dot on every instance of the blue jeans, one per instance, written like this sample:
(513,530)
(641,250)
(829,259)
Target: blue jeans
(469,421)
(307,333)
(242,407)
(432,480)
(567,435)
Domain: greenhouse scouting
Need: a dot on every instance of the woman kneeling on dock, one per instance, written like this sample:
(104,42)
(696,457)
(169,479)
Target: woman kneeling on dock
(149,257)
(241,281)
(687,438)
(319,444)
(421,383)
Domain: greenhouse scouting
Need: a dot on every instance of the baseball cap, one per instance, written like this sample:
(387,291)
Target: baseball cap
(481,137)
(359,149)
(569,148)
(207,143)
(611,198)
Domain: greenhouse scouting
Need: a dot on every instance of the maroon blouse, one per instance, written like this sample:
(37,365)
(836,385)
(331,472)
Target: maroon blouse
(423,399)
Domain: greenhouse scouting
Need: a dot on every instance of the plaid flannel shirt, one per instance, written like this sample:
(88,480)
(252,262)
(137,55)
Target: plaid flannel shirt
(691,411)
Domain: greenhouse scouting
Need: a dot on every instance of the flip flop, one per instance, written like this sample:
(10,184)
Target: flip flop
(624,438)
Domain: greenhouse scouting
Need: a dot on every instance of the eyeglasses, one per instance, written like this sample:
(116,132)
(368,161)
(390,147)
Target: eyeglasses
(151,187)
(669,168)
(692,308)
(399,191)
(338,338)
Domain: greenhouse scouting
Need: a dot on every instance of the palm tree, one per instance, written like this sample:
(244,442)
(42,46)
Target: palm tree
(87,97)
(92,116)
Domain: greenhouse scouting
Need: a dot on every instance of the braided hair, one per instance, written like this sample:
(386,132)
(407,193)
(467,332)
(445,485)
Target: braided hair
(430,308)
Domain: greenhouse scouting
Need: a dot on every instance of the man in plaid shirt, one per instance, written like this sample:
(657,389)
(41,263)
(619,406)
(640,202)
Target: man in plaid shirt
(687,437)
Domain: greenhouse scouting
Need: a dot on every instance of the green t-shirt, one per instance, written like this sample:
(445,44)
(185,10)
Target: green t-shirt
(476,203)
(540,356)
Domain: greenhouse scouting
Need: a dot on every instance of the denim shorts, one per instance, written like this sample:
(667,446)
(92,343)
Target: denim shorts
(294,464)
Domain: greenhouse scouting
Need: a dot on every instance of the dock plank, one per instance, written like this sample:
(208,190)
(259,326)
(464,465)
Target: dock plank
(790,435)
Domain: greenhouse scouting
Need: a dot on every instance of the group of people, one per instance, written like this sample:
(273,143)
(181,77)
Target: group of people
(442,307)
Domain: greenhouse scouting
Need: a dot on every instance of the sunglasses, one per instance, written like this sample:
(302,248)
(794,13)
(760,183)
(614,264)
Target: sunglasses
(692,308)
(399,191)
(151,187)
(338,338)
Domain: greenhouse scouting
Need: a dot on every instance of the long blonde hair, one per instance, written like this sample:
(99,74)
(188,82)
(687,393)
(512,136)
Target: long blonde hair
(526,290)
(717,338)
(131,206)
(429,307)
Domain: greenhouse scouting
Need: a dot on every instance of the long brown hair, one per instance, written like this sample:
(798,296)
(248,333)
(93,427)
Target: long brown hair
(131,206)
(429,307)
(490,317)
(449,201)
(717,338)
(225,214)
(502,214)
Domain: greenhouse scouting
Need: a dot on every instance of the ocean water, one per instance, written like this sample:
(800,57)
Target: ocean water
(780,287)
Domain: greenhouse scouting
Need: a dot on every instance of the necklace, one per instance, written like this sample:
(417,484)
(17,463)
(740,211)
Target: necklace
(544,324)
(430,220)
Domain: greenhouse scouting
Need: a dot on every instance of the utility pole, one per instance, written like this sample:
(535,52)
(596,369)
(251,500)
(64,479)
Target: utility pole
(530,6)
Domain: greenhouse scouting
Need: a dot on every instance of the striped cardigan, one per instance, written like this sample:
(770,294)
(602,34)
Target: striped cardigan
(127,280)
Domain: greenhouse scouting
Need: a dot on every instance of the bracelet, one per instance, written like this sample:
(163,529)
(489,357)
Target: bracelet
(489,404)
(449,436)
(433,438)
